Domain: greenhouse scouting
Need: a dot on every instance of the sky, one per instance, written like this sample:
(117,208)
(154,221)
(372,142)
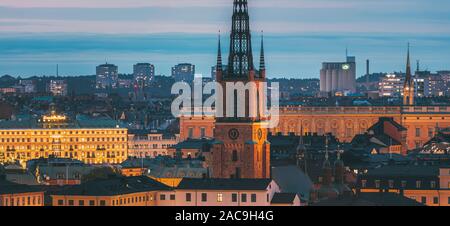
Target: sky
(35,35)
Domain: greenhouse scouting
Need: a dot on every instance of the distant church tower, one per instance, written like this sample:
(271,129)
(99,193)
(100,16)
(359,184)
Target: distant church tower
(241,149)
(408,88)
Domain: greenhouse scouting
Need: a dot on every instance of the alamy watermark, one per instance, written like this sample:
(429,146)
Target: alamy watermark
(249,100)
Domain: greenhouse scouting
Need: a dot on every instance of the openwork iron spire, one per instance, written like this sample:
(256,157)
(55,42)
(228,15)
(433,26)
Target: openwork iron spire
(241,58)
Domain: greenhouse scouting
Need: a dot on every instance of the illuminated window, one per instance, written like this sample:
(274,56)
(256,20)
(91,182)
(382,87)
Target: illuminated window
(433,184)
(220,197)
(391,184)
(377,183)
(418,184)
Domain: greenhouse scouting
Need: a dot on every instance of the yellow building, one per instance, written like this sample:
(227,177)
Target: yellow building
(93,141)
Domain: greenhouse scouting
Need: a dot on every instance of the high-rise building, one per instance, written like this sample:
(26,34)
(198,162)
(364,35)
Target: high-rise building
(391,86)
(107,76)
(408,87)
(241,149)
(57,87)
(183,72)
(338,77)
(143,73)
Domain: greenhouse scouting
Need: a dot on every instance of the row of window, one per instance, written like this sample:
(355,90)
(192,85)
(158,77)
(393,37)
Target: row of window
(36,140)
(92,132)
(403,184)
(59,146)
(424,200)
(219,197)
(21,201)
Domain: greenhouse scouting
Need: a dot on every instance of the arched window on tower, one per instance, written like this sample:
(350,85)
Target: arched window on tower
(235,156)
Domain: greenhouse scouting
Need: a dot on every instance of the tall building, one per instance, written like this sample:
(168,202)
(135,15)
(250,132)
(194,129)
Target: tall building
(57,87)
(183,72)
(408,87)
(214,71)
(143,73)
(241,149)
(338,77)
(107,76)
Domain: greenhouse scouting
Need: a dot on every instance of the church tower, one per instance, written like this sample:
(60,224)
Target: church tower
(241,149)
(408,87)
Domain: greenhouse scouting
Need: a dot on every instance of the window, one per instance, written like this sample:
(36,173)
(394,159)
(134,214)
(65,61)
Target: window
(244,197)
(162,197)
(91,202)
(448,201)
(191,133)
(363,183)
(424,200)
(417,132)
(220,197)
(418,184)
(203,132)
(204,197)
(404,183)
(172,197)
(70,202)
(377,183)
(435,200)
(188,197)
(391,184)
(102,203)
(430,132)
(433,184)
(235,156)
(234,197)
(253,197)
(60,202)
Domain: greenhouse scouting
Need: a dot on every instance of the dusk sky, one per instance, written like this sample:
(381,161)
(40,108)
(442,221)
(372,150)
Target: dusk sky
(35,35)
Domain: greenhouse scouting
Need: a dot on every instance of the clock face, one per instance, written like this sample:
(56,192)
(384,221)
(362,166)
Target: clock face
(260,134)
(233,134)
(345,67)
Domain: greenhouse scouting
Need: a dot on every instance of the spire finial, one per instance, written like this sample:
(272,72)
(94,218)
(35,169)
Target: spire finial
(408,66)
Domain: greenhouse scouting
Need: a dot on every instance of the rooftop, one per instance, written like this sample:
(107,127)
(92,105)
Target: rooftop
(224,184)
(114,186)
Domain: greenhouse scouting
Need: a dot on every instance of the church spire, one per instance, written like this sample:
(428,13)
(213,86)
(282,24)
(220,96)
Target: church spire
(219,56)
(262,64)
(408,88)
(408,68)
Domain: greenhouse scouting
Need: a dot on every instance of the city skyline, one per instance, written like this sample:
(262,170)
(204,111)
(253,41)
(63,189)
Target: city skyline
(79,35)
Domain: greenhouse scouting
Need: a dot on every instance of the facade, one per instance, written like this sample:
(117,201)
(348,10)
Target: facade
(107,76)
(150,145)
(95,141)
(143,191)
(183,72)
(241,149)
(425,184)
(143,73)
(338,77)
(12,194)
(346,122)
(391,86)
(57,87)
